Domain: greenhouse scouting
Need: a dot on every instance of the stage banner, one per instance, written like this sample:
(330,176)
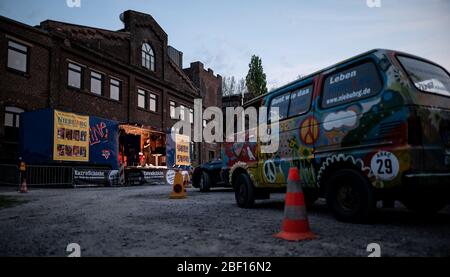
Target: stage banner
(71,137)
(182,150)
(91,177)
(104,142)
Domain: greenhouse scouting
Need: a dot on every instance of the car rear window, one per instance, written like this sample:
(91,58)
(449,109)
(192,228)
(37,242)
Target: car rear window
(353,84)
(426,76)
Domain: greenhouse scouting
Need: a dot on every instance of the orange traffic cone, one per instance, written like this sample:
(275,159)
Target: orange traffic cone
(23,186)
(295,224)
(179,191)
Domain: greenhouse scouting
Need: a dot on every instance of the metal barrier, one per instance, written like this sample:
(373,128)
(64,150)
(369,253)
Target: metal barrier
(9,175)
(49,175)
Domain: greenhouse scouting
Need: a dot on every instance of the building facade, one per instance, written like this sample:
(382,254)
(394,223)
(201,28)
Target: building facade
(210,86)
(125,75)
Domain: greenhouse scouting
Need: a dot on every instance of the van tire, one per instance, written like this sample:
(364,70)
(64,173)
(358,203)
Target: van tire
(350,196)
(244,191)
(205,182)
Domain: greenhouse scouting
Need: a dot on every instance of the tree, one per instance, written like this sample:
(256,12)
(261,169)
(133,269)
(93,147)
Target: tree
(241,87)
(256,78)
(229,86)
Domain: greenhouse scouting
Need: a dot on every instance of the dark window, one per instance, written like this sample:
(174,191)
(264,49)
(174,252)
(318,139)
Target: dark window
(427,77)
(172,110)
(212,155)
(142,96)
(359,82)
(153,102)
(17,56)
(96,83)
(300,101)
(12,123)
(282,103)
(74,76)
(115,88)
(148,57)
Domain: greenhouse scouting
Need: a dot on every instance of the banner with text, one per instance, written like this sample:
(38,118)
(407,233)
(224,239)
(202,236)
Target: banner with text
(182,150)
(71,137)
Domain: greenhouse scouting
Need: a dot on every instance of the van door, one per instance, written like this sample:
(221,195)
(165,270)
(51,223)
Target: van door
(298,132)
(271,164)
(303,133)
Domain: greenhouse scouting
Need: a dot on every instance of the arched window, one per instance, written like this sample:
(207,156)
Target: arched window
(148,57)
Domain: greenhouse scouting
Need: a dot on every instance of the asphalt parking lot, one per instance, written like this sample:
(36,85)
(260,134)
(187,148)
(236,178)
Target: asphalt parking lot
(142,221)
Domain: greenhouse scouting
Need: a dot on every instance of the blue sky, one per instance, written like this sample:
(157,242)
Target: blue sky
(293,37)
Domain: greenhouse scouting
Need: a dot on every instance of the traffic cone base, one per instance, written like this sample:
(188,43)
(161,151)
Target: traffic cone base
(177,197)
(23,187)
(295,236)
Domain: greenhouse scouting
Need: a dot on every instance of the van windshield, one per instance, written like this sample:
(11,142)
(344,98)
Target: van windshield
(427,77)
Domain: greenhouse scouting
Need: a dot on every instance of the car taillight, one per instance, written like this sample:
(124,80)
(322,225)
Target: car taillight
(414,131)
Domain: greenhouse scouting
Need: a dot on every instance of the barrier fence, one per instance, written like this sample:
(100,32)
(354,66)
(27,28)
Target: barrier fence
(49,176)
(67,176)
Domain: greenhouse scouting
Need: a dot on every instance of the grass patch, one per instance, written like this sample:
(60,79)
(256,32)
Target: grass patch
(9,202)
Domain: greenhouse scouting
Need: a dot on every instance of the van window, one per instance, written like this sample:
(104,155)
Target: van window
(350,85)
(300,101)
(282,102)
(427,77)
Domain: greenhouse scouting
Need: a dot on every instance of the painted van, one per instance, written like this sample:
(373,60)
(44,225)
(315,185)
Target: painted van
(374,127)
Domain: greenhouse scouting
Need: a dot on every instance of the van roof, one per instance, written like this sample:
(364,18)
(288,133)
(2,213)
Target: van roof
(324,70)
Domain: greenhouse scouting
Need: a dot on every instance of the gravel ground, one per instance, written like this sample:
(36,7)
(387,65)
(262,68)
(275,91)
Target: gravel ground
(142,221)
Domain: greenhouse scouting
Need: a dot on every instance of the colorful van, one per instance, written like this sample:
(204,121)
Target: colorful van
(374,127)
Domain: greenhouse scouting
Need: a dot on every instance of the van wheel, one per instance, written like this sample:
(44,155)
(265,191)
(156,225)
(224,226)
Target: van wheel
(244,191)
(350,196)
(205,183)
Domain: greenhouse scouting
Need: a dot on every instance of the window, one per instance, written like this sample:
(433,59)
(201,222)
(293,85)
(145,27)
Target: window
(153,102)
(300,101)
(212,155)
(191,116)
(74,76)
(115,89)
(182,115)
(427,77)
(148,57)
(17,57)
(12,123)
(141,99)
(172,110)
(96,83)
(359,82)
(282,103)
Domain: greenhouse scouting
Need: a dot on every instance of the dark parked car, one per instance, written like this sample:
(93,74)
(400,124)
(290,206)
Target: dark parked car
(210,175)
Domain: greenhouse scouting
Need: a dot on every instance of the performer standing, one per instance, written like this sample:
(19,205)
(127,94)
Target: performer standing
(147,151)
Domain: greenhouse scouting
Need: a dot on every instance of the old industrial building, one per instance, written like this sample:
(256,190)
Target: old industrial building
(131,76)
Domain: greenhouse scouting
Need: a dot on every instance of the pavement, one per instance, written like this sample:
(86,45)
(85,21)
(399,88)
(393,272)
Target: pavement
(143,221)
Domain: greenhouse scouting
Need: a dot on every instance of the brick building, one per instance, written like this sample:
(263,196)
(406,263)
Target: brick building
(129,75)
(210,87)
